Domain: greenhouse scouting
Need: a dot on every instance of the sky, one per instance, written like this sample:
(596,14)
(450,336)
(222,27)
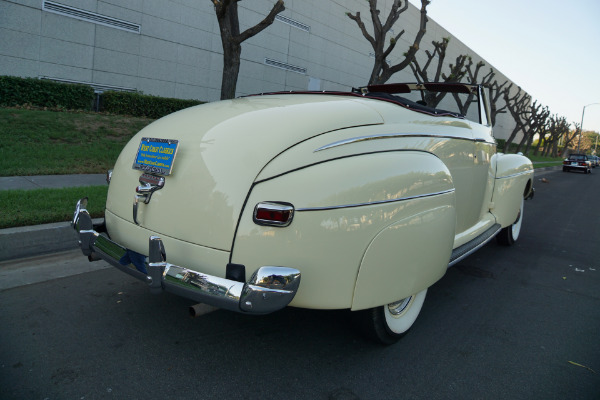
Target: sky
(550,48)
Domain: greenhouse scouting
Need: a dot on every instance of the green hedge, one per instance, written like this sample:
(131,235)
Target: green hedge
(16,91)
(140,105)
(501,144)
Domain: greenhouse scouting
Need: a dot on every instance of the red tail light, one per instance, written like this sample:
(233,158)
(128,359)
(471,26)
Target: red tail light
(273,213)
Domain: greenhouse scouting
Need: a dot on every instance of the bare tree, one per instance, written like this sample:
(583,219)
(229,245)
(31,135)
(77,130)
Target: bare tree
(231,39)
(457,71)
(544,135)
(496,92)
(535,118)
(558,128)
(382,71)
(569,138)
(517,105)
(472,78)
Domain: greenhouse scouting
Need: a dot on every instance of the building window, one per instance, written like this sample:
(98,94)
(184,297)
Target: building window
(88,16)
(293,23)
(286,66)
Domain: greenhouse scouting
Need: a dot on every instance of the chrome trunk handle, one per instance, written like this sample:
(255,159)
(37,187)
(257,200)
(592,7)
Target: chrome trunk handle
(148,185)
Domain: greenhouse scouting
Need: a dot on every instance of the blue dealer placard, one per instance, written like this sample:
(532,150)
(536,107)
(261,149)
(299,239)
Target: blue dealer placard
(156,156)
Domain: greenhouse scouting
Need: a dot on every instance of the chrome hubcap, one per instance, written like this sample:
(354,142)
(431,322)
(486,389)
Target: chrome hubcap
(399,306)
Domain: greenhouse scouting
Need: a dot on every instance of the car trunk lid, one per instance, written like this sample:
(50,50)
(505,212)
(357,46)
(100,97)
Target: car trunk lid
(222,147)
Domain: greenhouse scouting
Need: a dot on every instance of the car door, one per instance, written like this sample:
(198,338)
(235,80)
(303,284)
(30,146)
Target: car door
(484,170)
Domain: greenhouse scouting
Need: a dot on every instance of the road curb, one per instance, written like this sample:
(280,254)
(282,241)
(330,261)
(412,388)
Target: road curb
(29,241)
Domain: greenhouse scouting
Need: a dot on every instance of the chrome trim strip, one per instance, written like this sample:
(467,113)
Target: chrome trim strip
(386,136)
(517,174)
(485,141)
(375,202)
(493,231)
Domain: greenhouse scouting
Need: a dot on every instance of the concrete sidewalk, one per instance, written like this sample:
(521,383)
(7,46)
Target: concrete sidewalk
(35,240)
(50,181)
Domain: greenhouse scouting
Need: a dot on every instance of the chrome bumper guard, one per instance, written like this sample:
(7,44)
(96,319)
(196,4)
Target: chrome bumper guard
(268,290)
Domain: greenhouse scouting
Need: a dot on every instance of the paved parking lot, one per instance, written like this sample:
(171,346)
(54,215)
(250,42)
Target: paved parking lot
(505,323)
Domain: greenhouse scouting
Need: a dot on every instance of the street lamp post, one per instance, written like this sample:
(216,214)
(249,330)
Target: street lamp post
(581,126)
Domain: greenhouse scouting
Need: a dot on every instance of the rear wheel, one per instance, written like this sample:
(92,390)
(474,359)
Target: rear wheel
(510,234)
(388,323)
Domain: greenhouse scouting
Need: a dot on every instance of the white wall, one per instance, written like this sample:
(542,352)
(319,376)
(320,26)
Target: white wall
(177,52)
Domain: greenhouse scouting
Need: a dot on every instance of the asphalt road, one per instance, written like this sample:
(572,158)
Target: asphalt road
(505,323)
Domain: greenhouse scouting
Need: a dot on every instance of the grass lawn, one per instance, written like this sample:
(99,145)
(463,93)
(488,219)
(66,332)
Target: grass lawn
(37,142)
(547,164)
(41,206)
(541,162)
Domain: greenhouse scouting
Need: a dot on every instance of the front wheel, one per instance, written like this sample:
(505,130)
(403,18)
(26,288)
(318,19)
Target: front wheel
(388,323)
(509,235)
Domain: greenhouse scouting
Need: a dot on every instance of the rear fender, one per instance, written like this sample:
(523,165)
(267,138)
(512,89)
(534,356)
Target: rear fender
(341,207)
(514,181)
(408,256)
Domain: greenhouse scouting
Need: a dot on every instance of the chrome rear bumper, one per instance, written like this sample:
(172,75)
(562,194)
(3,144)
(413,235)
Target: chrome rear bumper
(269,289)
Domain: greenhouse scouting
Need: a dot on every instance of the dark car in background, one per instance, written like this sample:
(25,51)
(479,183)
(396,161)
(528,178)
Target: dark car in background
(578,162)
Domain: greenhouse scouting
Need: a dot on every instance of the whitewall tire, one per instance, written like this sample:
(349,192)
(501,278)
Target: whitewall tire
(509,235)
(388,323)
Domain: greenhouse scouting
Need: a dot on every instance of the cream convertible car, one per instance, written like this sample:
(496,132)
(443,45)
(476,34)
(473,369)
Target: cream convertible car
(322,200)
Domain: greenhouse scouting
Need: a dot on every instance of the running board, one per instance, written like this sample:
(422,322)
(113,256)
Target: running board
(468,248)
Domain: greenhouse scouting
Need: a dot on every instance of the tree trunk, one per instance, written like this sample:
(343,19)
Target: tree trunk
(231,68)
(231,39)
(555,149)
(522,142)
(529,143)
(537,148)
(511,137)
(375,78)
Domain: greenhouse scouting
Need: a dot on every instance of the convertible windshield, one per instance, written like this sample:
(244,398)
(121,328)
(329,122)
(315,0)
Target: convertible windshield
(456,100)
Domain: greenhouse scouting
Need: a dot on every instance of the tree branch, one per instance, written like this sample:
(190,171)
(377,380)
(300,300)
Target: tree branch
(381,70)
(410,54)
(268,20)
(393,42)
(356,18)
(394,14)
